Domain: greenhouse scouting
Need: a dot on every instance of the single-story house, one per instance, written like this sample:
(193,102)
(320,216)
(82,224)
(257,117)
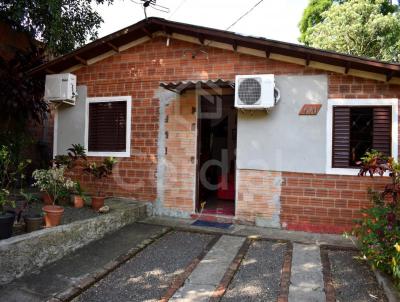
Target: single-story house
(160,96)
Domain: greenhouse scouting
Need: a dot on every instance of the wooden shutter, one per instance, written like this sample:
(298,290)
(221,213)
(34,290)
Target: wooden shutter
(107,126)
(382,130)
(341,137)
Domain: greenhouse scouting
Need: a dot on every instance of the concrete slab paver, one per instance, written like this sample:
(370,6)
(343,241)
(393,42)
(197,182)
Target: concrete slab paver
(307,282)
(210,271)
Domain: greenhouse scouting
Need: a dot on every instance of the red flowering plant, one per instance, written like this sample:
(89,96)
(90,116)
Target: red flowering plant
(378,231)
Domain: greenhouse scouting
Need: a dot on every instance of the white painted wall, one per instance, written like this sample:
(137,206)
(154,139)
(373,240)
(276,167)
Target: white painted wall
(70,121)
(282,140)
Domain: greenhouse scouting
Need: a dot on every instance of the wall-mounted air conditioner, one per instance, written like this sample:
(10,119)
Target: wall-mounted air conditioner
(256,91)
(60,88)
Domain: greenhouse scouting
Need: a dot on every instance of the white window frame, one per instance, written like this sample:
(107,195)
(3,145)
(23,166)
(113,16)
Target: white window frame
(128,100)
(357,102)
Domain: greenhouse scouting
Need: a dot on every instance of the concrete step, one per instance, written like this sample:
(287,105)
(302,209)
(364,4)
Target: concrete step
(28,252)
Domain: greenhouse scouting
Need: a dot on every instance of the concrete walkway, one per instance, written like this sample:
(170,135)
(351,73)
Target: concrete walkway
(73,269)
(260,232)
(307,281)
(207,275)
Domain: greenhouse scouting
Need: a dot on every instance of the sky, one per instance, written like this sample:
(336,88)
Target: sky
(273,19)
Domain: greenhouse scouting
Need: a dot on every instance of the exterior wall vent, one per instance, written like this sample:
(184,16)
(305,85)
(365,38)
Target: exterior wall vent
(256,91)
(60,88)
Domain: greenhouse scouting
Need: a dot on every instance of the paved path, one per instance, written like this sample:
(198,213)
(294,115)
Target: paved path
(307,281)
(209,272)
(144,262)
(66,272)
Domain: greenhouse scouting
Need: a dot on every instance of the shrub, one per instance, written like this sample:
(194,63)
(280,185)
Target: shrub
(53,181)
(378,231)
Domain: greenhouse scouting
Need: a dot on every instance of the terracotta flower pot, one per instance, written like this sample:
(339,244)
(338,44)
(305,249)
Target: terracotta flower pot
(33,222)
(47,199)
(97,202)
(53,215)
(78,202)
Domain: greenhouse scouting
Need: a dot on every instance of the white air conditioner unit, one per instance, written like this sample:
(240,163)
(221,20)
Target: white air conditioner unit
(60,88)
(256,91)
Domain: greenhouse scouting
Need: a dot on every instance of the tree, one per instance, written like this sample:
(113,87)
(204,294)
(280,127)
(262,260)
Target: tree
(312,15)
(62,25)
(359,27)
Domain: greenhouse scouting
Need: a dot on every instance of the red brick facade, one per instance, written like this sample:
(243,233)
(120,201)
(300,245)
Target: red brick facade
(308,202)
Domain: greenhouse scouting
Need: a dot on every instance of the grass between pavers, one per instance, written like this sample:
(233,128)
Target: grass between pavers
(70,293)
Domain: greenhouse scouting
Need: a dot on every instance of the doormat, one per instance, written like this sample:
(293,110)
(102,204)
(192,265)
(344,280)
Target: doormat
(212,224)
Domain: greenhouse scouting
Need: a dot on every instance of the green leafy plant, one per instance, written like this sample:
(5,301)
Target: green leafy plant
(77,151)
(53,182)
(5,201)
(11,172)
(80,192)
(101,171)
(378,231)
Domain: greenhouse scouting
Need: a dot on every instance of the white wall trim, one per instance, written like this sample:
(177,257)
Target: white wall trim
(128,100)
(357,102)
(55,132)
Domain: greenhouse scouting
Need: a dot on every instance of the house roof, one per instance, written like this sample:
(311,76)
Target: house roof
(147,29)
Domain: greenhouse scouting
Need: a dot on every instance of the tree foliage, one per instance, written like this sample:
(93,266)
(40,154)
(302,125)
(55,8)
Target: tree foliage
(369,28)
(61,24)
(312,16)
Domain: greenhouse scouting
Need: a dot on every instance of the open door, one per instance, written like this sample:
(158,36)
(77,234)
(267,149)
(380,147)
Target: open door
(216,154)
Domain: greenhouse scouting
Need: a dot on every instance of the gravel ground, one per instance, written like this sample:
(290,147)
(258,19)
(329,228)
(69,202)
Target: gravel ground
(147,276)
(352,279)
(259,275)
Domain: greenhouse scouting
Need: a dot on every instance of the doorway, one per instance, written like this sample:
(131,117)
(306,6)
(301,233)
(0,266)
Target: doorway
(216,154)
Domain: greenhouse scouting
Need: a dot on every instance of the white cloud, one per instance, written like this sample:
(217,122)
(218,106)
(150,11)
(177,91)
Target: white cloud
(273,19)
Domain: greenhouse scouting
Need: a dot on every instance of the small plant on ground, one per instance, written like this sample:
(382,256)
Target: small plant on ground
(378,231)
(75,153)
(101,171)
(53,182)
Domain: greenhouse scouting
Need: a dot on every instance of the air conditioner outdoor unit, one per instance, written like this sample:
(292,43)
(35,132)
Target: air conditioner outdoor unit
(60,88)
(256,91)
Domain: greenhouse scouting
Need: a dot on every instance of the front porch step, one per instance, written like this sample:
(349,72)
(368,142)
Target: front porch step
(213,217)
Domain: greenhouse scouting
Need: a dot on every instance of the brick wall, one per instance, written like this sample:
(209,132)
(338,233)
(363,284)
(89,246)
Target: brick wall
(138,72)
(324,203)
(180,142)
(258,196)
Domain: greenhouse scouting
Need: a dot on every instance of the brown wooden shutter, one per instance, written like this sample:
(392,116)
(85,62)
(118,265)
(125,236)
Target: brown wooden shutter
(107,126)
(341,137)
(382,130)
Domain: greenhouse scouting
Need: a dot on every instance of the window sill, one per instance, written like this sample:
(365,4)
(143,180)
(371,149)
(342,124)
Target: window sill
(108,154)
(346,171)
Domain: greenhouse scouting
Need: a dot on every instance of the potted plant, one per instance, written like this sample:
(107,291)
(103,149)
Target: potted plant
(54,183)
(80,197)
(6,217)
(33,220)
(100,173)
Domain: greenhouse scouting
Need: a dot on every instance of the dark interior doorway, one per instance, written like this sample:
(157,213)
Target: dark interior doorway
(217,127)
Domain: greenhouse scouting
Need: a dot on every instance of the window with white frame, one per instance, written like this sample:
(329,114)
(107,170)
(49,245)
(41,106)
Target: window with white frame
(108,126)
(355,126)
